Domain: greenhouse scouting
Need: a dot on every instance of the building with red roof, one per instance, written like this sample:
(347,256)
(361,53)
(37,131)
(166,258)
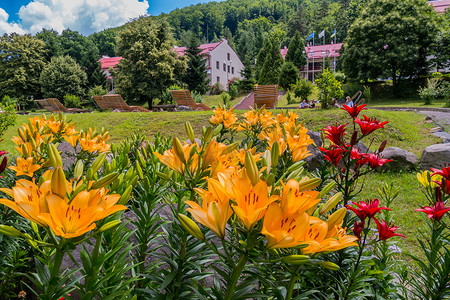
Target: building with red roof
(222,62)
(440,5)
(317,56)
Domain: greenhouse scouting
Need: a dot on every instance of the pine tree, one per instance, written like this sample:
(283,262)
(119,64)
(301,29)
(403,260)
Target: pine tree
(272,64)
(195,76)
(296,50)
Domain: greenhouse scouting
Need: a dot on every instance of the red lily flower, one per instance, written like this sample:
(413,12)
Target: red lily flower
(335,133)
(369,125)
(358,228)
(3,163)
(367,210)
(376,161)
(436,212)
(445,182)
(334,156)
(445,172)
(386,231)
(359,158)
(354,110)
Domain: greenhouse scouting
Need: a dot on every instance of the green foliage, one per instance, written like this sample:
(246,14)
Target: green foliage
(367,93)
(8,115)
(233,91)
(289,75)
(105,41)
(390,39)
(72,101)
(296,51)
(445,92)
(430,92)
(250,38)
(217,88)
(198,98)
(302,89)
(22,59)
(148,66)
(289,98)
(196,74)
(340,77)
(329,88)
(225,98)
(247,82)
(97,90)
(63,76)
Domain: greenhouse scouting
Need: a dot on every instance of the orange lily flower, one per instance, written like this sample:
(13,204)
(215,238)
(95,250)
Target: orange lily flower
(215,210)
(284,231)
(251,201)
(225,117)
(25,166)
(170,159)
(294,201)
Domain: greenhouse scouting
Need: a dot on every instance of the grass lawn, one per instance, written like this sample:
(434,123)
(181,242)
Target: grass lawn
(406,130)
(215,100)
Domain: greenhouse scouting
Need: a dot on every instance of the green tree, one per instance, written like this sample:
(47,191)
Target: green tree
(329,88)
(52,42)
(296,51)
(273,61)
(195,76)
(22,58)
(288,75)
(105,41)
(63,76)
(390,39)
(148,66)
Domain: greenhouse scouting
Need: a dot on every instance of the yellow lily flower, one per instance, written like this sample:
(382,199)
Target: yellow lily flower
(215,210)
(251,200)
(284,231)
(25,166)
(294,201)
(423,176)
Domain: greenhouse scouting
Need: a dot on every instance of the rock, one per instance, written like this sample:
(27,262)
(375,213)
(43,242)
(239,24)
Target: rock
(428,118)
(362,148)
(183,108)
(402,159)
(435,156)
(443,135)
(436,129)
(316,137)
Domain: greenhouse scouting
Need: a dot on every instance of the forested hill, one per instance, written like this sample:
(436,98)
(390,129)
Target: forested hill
(213,20)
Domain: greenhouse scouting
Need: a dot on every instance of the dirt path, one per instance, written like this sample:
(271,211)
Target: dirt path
(249,101)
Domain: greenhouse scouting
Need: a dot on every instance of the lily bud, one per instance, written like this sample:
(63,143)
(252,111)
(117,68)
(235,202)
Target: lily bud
(331,203)
(295,259)
(337,217)
(25,151)
(59,183)
(309,184)
(126,195)
(267,160)
(22,134)
(163,175)
(230,148)
(275,153)
(33,144)
(109,225)
(270,179)
(208,134)
(327,189)
(78,170)
(382,146)
(105,181)
(139,170)
(89,174)
(295,166)
(98,162)
(129,174)
(178,150)
(217,130)
(189,131)
(54,156)
(190,226)
(437,191)
(10,231)
(252,169)
(330,266)
(140,158)
(354,138)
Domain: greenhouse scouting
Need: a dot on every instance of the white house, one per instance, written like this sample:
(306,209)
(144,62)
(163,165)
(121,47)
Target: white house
(222,62)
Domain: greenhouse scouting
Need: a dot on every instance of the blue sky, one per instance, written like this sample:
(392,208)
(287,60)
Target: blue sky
(85,16)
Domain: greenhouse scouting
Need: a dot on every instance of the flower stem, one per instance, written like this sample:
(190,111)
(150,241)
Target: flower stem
(290,287)
(235,276)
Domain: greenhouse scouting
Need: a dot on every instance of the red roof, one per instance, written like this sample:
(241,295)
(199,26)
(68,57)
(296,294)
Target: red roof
(206,48)
(319,51)
(440,5)
(107,62)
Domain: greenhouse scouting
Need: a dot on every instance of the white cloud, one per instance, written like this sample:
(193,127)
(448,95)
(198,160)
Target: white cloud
(8,27)
(84,16)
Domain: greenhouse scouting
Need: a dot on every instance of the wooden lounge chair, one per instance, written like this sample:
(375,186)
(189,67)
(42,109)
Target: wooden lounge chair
(115,101)
(266,95)
(53,105)
(184,98)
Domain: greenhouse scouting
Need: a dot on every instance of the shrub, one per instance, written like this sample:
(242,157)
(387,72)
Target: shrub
(217,88)
(198,98)
(225,98)
(289,75)
(302,89)
(97,90)
(351,88)
(430,92)
(329,88)
(340,77)
(72,101)
(444,91)
(8,117)
(289,98)
(233,92)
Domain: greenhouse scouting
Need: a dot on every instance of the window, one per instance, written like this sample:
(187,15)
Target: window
(224,67)
(218,79)
(217,65)
(232,70)
(228,56)
(228,69)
